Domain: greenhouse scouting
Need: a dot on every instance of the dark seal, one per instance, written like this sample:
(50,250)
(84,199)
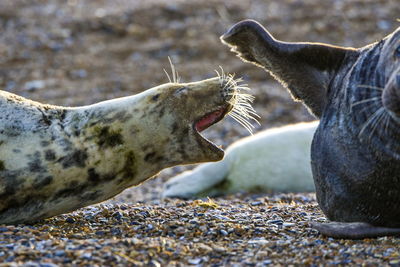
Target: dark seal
(355,154)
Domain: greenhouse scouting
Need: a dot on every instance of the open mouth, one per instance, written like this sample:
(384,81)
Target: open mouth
(211,118)
(205,122)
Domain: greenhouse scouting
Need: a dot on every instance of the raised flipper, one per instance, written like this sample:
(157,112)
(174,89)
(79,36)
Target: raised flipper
(306,69)
(353,230)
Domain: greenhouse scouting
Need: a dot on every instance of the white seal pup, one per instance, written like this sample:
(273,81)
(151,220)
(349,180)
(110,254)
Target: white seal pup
(274,160)
(54,159)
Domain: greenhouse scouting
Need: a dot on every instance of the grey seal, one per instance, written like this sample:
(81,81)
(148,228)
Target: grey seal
(56,159)
(355,92)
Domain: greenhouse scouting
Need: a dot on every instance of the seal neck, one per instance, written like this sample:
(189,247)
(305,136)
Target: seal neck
(119,134)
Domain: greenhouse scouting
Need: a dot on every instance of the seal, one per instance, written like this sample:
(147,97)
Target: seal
(274,160)
(55,159)
(355,152)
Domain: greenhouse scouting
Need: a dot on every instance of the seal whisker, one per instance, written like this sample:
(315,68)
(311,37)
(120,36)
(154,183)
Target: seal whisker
(242,122)
(366,86)
(221,76)
(387,121)
(246,115)
(230,82)
(376,123)
(245,107)
(371,120)
(174,72)
(372,99)
(169,78)
(242,111)
(243,104)
(244,98)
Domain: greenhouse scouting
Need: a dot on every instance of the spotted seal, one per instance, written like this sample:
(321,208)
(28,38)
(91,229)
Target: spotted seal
(355,152)
(274,160)
(57,159)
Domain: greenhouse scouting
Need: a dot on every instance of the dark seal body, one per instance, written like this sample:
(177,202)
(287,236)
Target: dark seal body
(355,153)
(356,148)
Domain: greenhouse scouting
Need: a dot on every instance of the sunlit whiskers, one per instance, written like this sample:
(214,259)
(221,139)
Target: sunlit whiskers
(242,111)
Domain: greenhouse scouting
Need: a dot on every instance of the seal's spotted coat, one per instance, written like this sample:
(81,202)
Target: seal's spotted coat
(57,159)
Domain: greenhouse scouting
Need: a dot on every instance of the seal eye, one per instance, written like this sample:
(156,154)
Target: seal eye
(181,90)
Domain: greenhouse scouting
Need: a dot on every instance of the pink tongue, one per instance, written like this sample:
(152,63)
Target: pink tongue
(209,119)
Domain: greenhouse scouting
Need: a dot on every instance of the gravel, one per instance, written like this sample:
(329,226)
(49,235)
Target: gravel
(209,232)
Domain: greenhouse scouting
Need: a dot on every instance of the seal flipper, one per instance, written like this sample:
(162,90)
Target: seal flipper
(197,182)
(353,230)
(306,69)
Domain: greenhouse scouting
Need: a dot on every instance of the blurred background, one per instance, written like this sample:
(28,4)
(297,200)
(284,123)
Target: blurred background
(79,52)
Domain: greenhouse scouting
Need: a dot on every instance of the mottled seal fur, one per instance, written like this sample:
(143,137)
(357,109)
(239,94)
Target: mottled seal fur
(56,159)
(274,160)
(355,93)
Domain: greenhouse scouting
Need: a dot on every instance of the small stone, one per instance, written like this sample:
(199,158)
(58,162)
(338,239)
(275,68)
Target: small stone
(287,224)
(223,232)
(117,215)
(218,248)
(258,241)
(277,222)
(116,231)
(204,248)
(154,263)
(101,233)
(47,264)
(256,203)
(9,246)
(87,256)
(267,262)
(195,261)
(70,220)
(59,253)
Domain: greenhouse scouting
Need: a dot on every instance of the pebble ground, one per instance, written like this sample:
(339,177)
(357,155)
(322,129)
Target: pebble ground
(240,230)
